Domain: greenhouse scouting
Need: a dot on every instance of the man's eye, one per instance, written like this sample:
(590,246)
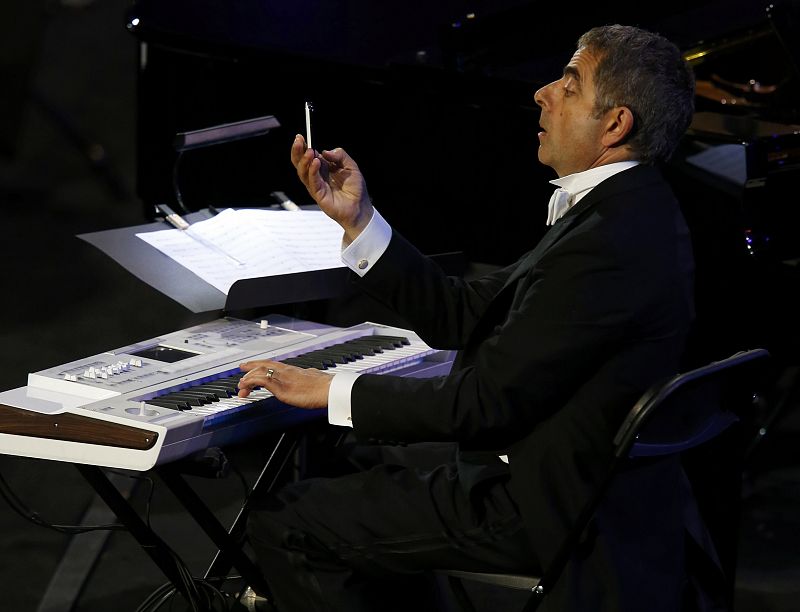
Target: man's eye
(568,92)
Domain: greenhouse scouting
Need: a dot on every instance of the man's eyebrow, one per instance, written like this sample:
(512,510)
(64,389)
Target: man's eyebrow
(573,72)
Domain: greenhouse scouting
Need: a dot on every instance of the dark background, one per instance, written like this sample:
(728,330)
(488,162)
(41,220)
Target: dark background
(451,162)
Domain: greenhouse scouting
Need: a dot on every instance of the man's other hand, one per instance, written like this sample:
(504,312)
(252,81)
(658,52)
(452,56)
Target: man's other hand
(303,388)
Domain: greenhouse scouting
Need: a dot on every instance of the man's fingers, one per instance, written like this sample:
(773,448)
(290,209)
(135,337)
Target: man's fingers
(317,171)
(251,365)
(303,165)
(337,157)
(312,170)
(246,388)
(295,386)
(259,367)
(298,148)
(259,377)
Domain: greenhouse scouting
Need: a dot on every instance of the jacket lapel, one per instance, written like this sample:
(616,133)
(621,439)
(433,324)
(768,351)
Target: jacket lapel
(627,179)
(549,239)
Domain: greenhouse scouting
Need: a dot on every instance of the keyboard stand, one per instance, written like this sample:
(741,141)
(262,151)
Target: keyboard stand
(148,540)
(284,450)
(228,541)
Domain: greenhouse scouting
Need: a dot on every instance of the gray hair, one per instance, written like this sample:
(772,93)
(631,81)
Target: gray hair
(646,73)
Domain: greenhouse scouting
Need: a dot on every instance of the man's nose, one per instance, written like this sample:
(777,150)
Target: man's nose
(540,97)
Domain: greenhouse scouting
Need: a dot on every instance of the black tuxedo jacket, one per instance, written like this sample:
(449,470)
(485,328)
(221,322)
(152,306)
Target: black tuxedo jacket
(553,352)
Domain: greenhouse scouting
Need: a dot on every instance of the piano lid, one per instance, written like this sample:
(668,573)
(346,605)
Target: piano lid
(752,71)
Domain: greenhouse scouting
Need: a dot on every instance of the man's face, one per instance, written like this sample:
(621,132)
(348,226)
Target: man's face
(571,140)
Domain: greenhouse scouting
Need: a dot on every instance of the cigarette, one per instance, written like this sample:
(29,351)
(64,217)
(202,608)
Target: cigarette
(309,108)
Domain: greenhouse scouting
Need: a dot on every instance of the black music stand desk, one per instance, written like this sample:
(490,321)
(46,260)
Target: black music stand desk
(177,282)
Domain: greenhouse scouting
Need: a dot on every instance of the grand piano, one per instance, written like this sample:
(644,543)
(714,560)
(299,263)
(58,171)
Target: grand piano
(735,174)
(435,101)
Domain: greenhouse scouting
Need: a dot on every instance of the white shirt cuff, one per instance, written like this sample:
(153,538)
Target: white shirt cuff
(339,398)
(361,254)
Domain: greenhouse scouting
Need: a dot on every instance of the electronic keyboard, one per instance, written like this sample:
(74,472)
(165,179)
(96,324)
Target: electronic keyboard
(165,398)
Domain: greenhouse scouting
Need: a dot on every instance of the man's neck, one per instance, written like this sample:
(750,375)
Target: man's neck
(608,156)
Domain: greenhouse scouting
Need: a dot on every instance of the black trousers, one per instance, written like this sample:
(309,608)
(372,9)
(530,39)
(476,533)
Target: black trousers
(362,541)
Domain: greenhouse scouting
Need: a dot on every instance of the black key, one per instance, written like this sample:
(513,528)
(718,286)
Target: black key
(172,405)
(314,356)
(402,340)
(336,356)
(298,362)
(213,393)
(231,383)
(220,391)
(386,344)
(329,357)
(203,396)
(338,349)
(304,362)
(189,399)
(364,348)
(228,379)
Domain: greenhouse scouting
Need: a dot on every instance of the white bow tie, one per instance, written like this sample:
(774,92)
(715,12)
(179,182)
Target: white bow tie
(560,202)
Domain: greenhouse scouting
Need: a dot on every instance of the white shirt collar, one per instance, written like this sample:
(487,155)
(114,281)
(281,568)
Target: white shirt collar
(581,183)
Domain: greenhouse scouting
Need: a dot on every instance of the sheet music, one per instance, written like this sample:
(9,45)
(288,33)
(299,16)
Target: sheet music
(264,242)
(726,160)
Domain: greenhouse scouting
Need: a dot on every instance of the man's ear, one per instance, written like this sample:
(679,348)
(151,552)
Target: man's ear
(619,125)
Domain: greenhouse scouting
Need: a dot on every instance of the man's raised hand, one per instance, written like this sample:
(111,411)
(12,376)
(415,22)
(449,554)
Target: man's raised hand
(336,184)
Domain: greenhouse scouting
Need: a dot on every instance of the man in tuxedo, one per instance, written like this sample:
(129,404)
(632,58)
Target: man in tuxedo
(553,351)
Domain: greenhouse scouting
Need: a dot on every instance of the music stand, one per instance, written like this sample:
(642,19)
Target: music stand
(215,135)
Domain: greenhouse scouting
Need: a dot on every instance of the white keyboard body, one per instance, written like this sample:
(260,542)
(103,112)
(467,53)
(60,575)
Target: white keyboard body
(97,410)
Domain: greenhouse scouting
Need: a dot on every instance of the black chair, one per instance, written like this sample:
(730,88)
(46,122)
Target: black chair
(673,416)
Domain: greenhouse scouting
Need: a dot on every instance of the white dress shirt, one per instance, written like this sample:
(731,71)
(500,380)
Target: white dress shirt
(361,254)
(576,186)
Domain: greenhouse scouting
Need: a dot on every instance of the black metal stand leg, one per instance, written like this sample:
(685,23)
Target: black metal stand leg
(228,547)
(148,540)
(274,466)
(230,553)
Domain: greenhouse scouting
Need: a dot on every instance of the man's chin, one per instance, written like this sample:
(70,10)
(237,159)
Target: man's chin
(542,155)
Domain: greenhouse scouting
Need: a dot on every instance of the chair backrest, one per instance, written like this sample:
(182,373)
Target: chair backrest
(674,415)
(687,409)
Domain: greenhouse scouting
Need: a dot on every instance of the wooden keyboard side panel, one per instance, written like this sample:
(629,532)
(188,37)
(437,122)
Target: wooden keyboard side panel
(74,428)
